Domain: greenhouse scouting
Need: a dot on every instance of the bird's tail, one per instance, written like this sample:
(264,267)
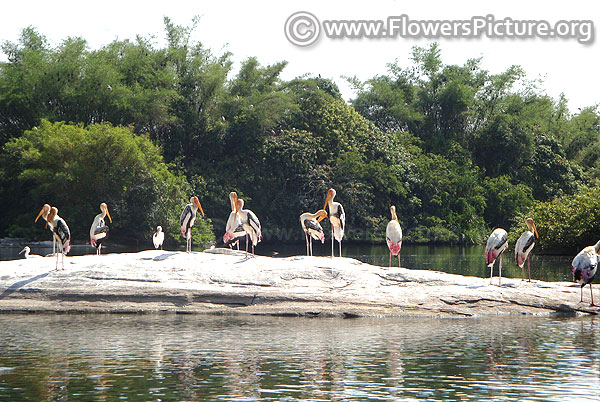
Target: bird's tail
(67,247)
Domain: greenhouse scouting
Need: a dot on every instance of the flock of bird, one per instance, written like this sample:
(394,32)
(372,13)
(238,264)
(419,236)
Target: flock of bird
(244,223)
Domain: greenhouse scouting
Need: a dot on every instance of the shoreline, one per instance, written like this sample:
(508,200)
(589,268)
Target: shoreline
(225,282)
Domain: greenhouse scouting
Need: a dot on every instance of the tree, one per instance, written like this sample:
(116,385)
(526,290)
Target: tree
(76,168)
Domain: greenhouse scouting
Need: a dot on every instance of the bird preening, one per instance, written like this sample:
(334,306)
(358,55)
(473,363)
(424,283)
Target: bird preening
(524,246)
(61,233)
(312,228)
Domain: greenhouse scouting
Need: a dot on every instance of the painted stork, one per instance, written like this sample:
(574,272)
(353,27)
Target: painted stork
(393,236)
(584,268)
(187,219)
(44,212)
(99,230)
(234,228)
(61,233)
(312,228)
(524,246)
(158,238)
(337,218)
(496,244)
(250,223)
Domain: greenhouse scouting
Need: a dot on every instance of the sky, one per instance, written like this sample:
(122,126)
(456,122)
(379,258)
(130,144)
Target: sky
(256,28)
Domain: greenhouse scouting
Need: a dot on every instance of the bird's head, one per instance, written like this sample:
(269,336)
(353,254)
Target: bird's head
(25,250)
(44,211)
(321,213)
(196,201)
(239,205)
(159,229)
(104,208)
(531,226)
(393,211)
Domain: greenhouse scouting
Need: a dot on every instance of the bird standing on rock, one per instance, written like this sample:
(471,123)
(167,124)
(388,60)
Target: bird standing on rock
(337,218)
(496,244)
(158,238)
(312,228)
(99,230)
(393,236)
(62,234)
(584,267)
(250,223)
(524,246)
(187,219)
(233,228)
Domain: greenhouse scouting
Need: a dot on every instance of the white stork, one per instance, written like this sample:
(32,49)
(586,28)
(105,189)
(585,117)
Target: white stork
(158,238)
(524,246)
(584,268)
(44,212)
(187,219)
(312,228)
(496,244)
(61,234)
(337,218)
(250,223)
(99,230)
(393,236)
(234,227)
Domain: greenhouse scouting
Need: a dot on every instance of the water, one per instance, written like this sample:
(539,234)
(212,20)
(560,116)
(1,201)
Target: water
(452,259)
(189,358)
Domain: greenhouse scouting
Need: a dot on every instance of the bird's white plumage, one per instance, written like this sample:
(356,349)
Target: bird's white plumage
(158,237)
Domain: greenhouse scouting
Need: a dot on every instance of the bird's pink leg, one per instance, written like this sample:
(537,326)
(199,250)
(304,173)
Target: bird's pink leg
(581,298)
(340,243)
(332,241)
(592,295)
(399,260)
(500,270)
(390,259)
(529,268)
(310,242)
(306,240)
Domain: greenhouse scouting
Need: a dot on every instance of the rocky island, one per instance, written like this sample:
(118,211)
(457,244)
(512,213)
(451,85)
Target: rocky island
(221,281)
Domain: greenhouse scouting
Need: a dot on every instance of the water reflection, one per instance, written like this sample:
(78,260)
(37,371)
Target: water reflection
(152,358)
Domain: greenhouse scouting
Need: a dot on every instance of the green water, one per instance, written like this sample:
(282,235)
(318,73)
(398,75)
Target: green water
(200,358)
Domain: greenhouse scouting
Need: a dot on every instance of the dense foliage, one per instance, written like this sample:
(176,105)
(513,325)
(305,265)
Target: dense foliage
(457,149)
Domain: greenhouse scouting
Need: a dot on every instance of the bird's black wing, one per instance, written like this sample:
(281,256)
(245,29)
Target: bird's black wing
(502,241)
(62,231)
(312,224)
(341,215)
(529,242)
(186,211)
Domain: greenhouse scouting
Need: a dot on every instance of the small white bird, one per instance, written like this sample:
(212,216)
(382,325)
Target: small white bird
(496,244)
(312,228)
(585,265)
(158,238)
(524,246)
(26,253)
(393,236)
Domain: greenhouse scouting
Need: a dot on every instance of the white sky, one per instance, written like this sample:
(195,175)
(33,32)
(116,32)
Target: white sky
(255,28)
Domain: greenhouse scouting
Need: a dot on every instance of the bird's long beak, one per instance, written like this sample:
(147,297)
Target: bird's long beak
(108,214)
(197,202)
(38,215)
(535,230)
(22,251)
(320,218)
